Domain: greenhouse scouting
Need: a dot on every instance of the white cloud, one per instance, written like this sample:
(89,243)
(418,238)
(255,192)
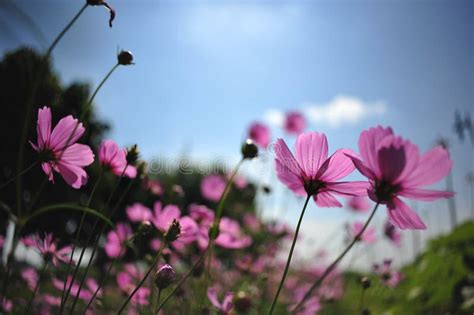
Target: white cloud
(343,110)
(274,117)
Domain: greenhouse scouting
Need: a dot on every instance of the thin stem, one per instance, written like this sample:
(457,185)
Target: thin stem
(156,301)
(287,267)
(68,26)
(218,215)
(43,271)
(99,86)
(19,174)
(65,293)
(334,264)
(180,283)
(152,266)
(361,301)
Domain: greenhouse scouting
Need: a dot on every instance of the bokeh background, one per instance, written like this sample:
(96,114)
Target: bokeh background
(204,70)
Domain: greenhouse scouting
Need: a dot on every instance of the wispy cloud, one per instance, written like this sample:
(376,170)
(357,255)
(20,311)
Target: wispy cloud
(343,110)
(274,117)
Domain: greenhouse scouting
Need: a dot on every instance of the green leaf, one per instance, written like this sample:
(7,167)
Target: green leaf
(67,206)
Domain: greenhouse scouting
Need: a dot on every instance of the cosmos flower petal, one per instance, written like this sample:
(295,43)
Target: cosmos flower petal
(311,152)
(368,142)
(403,217)
(326,199)
(63,133)
(425,194)
(337,166)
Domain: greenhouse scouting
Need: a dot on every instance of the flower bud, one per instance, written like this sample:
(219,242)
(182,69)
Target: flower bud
(242,302)
(267,189)
(133,155)
(145,227)
(164,276)
(249,149)
(173,231)
(365,282)
(365,312)
(125,58)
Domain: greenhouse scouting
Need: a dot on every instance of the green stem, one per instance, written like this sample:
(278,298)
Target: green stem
(65,295)
(43,271)
(180,283)
(287,267)
(68,26)
(334,264)
(217,218)
(152,266)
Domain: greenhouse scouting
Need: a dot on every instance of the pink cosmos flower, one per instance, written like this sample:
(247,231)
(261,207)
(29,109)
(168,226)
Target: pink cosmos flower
(154,186)
(358,204)
(138,213)
(163,217)
(295,123)
(128,279)
(369,235)
(396,169)
(31,277)
(7,305)
(226,306)
(388,277)
(260,134)
(239,181)
(204,217)
(116,239)
(212,187)
(391,232)
(28,241)
(230,235)
(48,248)
(313,173)
(59,151)
(115,159)
(2,241)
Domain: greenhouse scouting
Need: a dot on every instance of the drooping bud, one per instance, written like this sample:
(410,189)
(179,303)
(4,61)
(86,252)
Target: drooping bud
(125,58)
(164,276)
(242,302)
(249,149)
(365,282)
(173,231)
(104,4)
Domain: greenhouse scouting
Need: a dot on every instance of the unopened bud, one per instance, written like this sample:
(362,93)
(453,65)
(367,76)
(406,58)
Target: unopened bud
(365,282)
(145,227)
(164,276)
(132,155)
(125,58)
(173,231)
(249,149)
(267,189)
(242,302)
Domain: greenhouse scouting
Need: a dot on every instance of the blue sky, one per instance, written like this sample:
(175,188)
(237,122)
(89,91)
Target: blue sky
(205,70)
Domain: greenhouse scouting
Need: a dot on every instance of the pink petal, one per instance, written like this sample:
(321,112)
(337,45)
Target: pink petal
(356,188)
(108,151)
(425,194)
(326,199)
(61,134)
(43,127)
(368,143)
(75,176)
(212,295)
(227,302)
(78,155)
(311,152)
(363,169)
(403,217)
(287,169)
(138,213)
(48,171)
(338,166)
(432,167)
(392,158)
